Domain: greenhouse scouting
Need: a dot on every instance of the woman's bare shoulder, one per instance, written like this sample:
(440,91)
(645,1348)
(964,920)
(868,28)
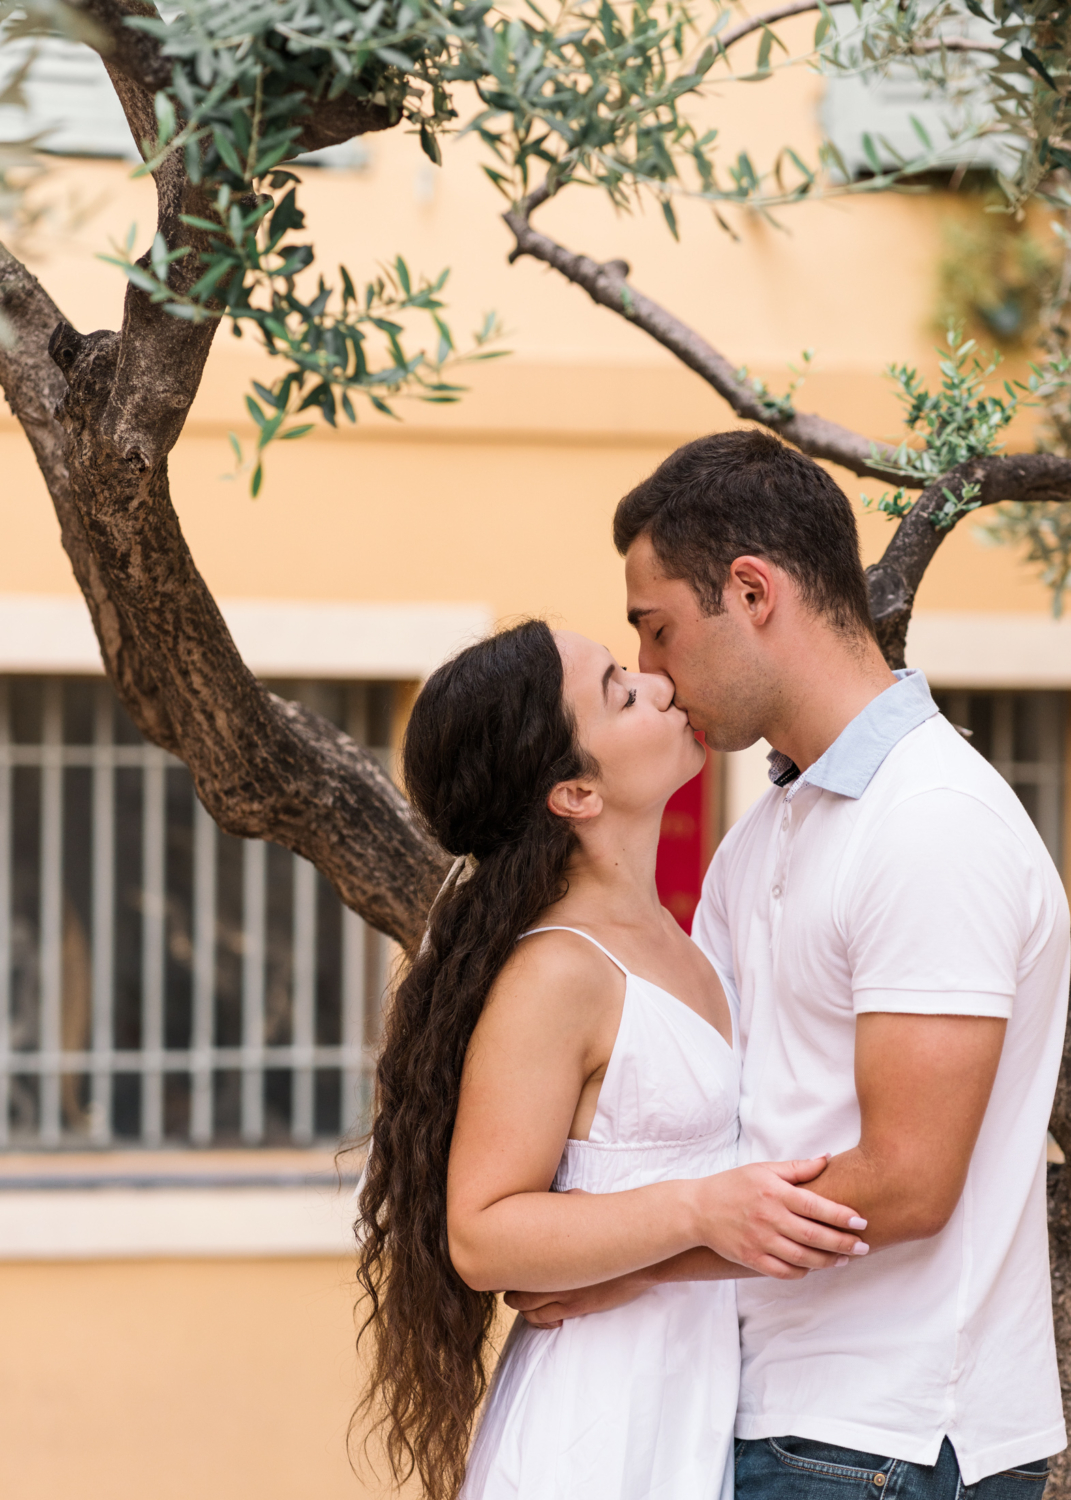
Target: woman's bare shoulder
(561,979)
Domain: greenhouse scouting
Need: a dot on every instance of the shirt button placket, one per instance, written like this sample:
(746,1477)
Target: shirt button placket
(777,890)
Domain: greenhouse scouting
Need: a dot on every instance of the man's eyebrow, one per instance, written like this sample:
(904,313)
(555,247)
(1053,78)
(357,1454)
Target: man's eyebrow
(636,615)
(610,670)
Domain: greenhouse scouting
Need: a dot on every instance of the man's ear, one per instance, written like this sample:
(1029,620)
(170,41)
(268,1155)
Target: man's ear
(579,801)
(755,584)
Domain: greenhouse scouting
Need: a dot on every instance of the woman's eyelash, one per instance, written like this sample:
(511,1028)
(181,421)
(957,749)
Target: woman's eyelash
(630,700)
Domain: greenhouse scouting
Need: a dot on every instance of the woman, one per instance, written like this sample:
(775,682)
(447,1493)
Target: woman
(556,1106)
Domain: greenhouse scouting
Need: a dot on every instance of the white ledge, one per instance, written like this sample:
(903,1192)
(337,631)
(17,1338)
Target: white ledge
(276,637)
(990,650)
(174,1223)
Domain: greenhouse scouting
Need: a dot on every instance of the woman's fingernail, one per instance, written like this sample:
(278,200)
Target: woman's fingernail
(841,1260)
(860,1249)
(857,1223)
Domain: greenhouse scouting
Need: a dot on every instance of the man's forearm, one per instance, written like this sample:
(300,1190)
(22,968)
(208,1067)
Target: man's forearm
(923,1083)
(698,1264)
(899,1200)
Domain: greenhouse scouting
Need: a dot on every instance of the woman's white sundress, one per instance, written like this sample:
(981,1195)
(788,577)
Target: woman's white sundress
(637,1403)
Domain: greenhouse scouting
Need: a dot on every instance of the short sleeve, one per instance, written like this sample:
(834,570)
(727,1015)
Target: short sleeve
(710,924)
(937,910)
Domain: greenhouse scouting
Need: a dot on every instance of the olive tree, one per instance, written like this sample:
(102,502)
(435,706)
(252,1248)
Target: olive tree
(224,94)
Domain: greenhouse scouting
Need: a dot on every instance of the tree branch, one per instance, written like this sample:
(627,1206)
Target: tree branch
(894,581)
(133,53)
(800,7)
(952,44)
(769,18)
(607,285)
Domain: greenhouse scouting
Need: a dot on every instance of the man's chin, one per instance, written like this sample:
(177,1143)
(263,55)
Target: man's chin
(726,739)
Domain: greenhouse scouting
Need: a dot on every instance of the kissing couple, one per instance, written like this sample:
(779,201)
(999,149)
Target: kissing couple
(769,1200)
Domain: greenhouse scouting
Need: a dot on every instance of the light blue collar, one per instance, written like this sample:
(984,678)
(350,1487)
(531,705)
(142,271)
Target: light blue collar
(848,766)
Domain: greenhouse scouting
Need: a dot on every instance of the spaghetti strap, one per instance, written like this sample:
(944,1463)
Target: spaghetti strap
(533,930)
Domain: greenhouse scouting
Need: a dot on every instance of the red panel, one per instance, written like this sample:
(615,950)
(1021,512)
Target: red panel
(683,848)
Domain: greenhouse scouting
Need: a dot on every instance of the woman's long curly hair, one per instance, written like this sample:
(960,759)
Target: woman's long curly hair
(489,737)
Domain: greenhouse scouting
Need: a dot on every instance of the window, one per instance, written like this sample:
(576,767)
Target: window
(161,982)
(881,105)
(73,108)
(1022,735)
(70,102)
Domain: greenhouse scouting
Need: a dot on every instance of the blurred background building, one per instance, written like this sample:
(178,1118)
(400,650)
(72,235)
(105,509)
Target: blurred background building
(187,1021)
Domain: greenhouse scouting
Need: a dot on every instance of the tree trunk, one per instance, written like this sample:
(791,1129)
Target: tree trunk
(102,412)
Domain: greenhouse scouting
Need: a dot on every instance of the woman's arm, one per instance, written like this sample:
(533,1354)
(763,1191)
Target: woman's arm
(548,1027)
(550,1309)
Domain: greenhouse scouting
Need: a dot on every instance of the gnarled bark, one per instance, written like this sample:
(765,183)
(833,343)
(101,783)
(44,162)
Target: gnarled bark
(894,581)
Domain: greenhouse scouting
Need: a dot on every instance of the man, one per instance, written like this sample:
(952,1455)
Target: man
(899,938)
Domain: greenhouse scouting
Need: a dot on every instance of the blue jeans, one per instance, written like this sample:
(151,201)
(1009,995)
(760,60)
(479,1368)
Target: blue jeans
(792,1468)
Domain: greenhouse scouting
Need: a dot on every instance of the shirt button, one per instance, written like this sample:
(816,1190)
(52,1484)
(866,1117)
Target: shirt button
(776,892)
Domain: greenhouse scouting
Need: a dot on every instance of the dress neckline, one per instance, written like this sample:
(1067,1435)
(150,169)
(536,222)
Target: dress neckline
(729,1042)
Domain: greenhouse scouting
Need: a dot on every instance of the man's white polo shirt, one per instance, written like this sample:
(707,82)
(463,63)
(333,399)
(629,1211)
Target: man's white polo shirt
(899,873)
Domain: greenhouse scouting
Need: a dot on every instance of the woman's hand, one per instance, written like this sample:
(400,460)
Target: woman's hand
(758,1216)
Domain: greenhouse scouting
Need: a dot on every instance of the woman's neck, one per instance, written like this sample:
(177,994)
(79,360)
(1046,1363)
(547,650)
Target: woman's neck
(612,873)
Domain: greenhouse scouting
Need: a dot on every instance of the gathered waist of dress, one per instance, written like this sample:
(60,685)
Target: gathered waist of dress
(614,1167)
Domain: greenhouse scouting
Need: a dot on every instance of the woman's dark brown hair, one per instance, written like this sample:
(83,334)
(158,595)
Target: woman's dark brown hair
(489,737)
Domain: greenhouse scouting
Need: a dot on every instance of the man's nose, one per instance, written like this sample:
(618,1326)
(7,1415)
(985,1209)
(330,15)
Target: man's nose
(667,691)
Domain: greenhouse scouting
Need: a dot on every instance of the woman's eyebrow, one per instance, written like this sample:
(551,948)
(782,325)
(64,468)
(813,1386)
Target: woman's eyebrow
(610,670)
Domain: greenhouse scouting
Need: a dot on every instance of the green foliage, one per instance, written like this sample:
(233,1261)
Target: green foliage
(781,407)
(958,422)
(1031,81)
(595,95)
(253,276)
(598,95)
(1016,86)
(597,100)
(245,71)
(596,92)
(895,506)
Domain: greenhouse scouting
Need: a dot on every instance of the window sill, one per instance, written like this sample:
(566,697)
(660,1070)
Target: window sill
(174,1205)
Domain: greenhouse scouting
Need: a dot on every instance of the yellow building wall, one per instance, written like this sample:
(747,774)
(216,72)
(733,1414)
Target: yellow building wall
(161,1380)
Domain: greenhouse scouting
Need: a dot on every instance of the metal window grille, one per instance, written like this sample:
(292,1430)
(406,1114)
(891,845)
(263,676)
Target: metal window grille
(160,981)
(1022,735)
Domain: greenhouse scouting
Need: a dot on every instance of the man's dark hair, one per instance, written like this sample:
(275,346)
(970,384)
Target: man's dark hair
(739,493)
